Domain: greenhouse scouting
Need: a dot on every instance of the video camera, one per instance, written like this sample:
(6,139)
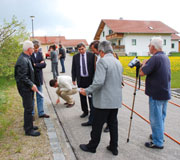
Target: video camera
(134,62)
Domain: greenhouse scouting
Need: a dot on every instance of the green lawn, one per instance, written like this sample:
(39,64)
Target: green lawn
(175,69)
(175,79)
(177,54)
(5,104)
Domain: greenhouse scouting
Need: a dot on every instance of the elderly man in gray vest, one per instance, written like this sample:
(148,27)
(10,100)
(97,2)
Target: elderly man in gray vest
(107,98)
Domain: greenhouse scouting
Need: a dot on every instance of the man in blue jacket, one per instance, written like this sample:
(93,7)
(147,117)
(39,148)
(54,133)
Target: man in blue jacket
(158,79)
(38,64)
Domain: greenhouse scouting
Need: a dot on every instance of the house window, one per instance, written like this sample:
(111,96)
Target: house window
(133,42)
(119,42)
(172,45)
(103,34)
(164,42)
(132,53)
(110,31)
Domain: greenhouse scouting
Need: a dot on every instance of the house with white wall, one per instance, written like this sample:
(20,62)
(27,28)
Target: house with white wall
(132,37)
(175,43)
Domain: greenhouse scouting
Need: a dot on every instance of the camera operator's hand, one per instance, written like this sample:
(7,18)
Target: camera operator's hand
(144,62)
(141,73)
(82,91)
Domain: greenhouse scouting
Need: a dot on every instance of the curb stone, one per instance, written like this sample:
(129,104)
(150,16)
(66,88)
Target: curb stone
(54,142)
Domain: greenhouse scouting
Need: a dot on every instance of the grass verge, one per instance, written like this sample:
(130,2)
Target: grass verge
(14,145)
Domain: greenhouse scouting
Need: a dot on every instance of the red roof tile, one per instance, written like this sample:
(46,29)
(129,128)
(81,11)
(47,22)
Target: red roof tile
(175,37)
(60,39)
(134,26)
(50,39)
(73,42)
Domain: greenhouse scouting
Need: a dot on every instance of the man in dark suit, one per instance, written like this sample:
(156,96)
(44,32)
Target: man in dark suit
(38,64)
(83,68)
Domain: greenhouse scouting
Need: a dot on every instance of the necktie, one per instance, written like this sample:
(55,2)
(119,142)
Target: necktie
(83,65)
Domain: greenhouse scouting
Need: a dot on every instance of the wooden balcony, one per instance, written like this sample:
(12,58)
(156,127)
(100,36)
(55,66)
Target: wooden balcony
(114,36)
(121,47)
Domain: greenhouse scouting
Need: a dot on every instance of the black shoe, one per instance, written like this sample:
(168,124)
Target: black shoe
(114,152)
(85,148)
(83,115)
(150,137)
(70,105)
(33,133)
(44,116)
(62,72)
(152,145)
(35,127)
(86,124)
(106,129)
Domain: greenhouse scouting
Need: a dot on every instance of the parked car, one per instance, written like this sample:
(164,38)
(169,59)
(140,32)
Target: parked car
(47,55)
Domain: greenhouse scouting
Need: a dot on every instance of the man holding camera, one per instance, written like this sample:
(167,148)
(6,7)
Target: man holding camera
(157,70)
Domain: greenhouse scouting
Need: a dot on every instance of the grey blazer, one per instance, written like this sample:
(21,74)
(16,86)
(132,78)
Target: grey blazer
(106,87)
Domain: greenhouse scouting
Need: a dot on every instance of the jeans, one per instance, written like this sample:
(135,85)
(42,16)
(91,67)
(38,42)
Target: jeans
(55,70)
(62,64)
(40,102)
(157,114)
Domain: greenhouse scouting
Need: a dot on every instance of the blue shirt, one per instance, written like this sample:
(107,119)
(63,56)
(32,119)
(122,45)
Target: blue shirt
(158,80)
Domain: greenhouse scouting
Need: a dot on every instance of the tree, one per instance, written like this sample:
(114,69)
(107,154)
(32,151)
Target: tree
(11,35)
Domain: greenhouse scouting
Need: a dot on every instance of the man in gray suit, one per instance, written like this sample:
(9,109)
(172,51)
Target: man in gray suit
(107,98)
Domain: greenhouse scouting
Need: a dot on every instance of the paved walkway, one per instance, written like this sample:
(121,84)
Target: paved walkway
(66,133)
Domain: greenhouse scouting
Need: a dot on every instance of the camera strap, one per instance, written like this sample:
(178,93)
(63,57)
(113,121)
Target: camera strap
(138,76)
(139,82)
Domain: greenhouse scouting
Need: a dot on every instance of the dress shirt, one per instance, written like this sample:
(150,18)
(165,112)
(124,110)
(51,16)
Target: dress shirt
(81,70)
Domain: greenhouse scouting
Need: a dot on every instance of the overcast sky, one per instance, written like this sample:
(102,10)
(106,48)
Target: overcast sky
(79,19)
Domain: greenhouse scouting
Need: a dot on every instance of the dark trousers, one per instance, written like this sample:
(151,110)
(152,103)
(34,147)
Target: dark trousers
(100,117)
(91,116)
(27,99)
(84,83)
(84,105)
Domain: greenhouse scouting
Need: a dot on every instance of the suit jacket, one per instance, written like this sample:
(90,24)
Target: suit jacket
(24,73)
(106,86)
(76,74)
(38,67)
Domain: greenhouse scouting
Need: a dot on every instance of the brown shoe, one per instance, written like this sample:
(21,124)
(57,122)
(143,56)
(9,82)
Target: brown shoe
(66,103)
(44,116)
(70,105)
